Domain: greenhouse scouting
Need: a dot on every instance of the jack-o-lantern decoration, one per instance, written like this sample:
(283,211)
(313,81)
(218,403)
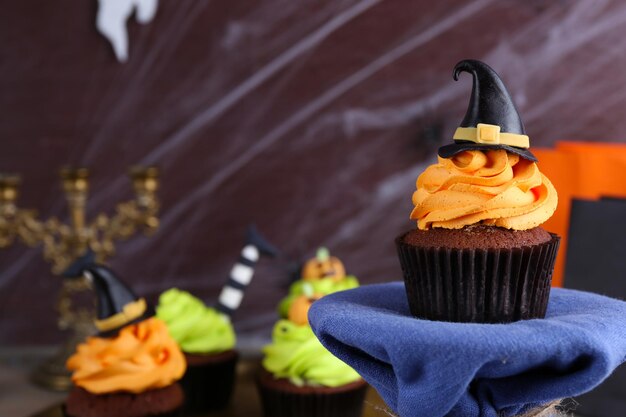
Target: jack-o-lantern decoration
(299,310)
(323,266)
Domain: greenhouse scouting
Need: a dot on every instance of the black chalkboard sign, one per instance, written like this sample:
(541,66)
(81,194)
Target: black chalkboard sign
(596,262)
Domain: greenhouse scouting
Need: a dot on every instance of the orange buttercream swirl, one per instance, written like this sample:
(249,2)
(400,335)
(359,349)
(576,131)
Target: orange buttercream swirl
(473,187)
(141,357)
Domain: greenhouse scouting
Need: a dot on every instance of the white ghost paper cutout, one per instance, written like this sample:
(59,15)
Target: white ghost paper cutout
(112,18)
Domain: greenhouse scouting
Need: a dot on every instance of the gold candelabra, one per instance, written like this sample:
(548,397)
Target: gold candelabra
(64,243)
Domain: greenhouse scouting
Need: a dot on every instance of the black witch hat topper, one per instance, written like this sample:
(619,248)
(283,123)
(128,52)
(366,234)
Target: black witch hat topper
(491,121)
(117,304)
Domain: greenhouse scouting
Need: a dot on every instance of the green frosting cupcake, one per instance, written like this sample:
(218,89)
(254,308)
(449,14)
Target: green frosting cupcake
(322,286)
(196,327)
(295,353)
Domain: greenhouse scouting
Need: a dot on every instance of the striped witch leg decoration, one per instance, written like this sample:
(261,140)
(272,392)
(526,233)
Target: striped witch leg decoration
(242,272)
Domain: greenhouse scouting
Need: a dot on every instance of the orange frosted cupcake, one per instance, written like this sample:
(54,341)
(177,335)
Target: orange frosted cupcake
(131,369)
(478,253)
(133,374)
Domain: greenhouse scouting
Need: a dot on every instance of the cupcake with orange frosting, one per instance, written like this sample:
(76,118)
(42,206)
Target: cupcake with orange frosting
(478,253)
(132,367)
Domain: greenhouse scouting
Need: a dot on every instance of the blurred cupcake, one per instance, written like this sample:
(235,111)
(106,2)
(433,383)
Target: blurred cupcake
(478,254)
(321,275)
(207,339)
(301,378)
(206,335)
(131,368)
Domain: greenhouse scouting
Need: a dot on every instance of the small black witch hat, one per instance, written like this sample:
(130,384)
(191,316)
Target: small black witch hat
(492,121)
(117,304)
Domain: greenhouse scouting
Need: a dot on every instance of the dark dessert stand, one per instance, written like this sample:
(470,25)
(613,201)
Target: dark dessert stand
(246,401)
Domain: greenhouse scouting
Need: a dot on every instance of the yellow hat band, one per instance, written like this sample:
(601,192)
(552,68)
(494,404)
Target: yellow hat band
(130,312)
(490,135)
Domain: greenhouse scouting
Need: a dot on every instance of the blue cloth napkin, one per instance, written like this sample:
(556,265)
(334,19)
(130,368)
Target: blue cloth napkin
(434,369)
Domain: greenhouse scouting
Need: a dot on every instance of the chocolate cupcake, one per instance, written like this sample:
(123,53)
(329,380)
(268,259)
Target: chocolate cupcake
(207,339)
(206,335)
(478,254)
(301,378)
(163,402)
(131,368)
(281,398)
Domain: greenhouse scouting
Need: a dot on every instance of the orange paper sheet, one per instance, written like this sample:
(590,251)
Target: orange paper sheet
(587,170)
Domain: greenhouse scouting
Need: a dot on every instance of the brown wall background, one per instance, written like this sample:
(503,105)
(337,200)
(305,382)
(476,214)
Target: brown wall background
(310,118)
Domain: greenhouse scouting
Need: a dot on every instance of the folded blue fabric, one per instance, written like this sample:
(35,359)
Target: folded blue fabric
(434,369)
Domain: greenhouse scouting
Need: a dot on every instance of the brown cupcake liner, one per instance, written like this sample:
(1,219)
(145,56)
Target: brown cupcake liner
(209,386)
(174,413)
(158,402)
(279,401)
(478,285)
